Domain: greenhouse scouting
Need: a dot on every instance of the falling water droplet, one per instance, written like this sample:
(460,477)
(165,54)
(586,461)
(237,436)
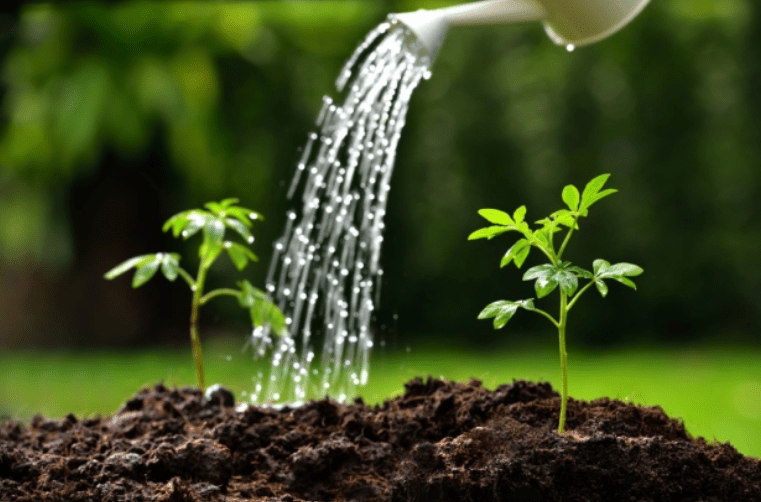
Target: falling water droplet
(325,270)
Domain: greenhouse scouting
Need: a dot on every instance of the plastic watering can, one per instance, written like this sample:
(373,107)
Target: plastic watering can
(567,22)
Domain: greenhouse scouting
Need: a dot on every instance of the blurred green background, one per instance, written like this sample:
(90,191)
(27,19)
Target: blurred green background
(115,117)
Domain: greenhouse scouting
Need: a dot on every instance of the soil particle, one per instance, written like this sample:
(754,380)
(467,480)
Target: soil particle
(440,441)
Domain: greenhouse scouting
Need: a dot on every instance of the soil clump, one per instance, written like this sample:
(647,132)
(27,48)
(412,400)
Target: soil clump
(440,441)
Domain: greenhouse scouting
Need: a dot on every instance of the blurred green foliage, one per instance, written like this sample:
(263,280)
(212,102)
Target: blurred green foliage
(176,103)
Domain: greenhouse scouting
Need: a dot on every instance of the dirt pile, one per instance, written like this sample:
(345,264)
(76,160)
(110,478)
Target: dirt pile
(441,441)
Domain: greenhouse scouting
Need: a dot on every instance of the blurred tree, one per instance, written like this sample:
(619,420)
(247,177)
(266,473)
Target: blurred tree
(115,117)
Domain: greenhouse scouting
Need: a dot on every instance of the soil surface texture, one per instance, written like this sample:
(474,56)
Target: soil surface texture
(440,441)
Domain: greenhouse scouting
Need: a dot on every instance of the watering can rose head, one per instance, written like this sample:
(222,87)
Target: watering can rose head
(557,274)
(212,222)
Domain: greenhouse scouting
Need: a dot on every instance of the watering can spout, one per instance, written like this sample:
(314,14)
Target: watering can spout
(567,22)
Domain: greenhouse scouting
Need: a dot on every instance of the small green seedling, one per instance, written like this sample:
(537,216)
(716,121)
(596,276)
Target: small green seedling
(219,217)
(557,273)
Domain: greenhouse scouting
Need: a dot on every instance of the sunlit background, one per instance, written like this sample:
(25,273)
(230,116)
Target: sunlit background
(115,117)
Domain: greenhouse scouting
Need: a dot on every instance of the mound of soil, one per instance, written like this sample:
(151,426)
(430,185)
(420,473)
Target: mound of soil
(441,441)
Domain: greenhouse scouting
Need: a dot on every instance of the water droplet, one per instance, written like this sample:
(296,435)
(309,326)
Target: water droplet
(570,47)
(250,239)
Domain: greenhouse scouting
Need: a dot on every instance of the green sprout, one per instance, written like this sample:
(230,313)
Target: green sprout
(558,273)
(219,217)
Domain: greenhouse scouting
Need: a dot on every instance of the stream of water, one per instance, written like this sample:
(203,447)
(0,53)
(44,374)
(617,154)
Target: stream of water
(325,273)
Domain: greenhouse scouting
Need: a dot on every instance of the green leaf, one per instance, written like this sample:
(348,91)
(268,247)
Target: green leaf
(170,264)
(503,310)
(145,271)
(618,272)
(126,265)
(565,217)
(487,233)
(261,309)
(568,281)
(496,216)
(544,286)
(519,214)
(186,223)
(517,253)
(214,229)
(240,228)
(239,254)
(592,191)
(601,287)
(548,277)
(580,272)
(214,207)
(571,197)
(625,269)
(600,266)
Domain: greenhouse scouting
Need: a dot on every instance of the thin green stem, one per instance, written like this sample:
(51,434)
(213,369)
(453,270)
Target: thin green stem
(186,276)
(194,339)
(219,292)
(586,287)
(567,238)
(563,361)
(548,316)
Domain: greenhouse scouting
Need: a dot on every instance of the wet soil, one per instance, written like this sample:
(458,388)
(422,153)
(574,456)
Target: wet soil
(440,441)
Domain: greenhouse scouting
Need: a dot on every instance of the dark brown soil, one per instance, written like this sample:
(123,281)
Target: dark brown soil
(441,441)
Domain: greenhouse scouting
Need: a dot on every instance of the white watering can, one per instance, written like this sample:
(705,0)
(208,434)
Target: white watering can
(567,22)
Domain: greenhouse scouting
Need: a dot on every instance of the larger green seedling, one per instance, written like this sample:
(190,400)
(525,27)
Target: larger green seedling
(212,223)
(557,274)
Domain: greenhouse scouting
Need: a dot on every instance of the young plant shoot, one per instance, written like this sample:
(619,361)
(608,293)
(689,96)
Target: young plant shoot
(557,274)
(212,223)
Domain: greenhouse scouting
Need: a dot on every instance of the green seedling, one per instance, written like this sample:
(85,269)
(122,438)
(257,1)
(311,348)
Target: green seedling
(212,223)
(557,274)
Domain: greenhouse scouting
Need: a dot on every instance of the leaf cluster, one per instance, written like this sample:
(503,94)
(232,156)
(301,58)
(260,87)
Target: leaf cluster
(557,273)
(212,223)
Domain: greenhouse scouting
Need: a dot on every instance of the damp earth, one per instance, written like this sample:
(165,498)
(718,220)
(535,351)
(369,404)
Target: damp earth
(440,441)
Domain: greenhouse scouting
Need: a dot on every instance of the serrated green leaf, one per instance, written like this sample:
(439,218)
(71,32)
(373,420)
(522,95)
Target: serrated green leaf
(519,214)
(601,287)
(126,265)
(503,311)
(170,264)
(518,252)
(496,216)
(487,233)
(145,271)
(196,220)
(571,197)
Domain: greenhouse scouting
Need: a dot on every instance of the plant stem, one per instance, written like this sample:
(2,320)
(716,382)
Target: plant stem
(563,361)
(548,316)
(219,292)
(586,287)
(194,339)
(567,238)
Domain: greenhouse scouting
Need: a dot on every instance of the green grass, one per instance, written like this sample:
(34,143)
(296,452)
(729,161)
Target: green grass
(716,391)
